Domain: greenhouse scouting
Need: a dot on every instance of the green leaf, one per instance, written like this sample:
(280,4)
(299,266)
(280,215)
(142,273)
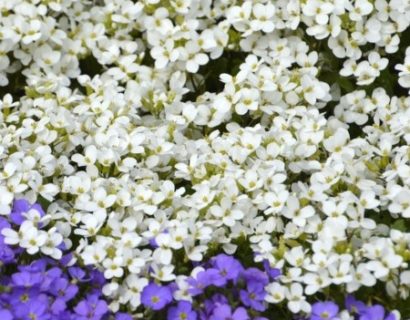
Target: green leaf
(399,224)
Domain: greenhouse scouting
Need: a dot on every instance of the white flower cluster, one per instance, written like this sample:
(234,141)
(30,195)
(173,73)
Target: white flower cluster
(30,237)
(147,169)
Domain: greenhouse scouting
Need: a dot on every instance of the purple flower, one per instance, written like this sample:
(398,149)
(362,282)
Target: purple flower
(272,272)
(254,296)
(50,276)
(122,316)
(216,277)
(63,289)
(228,269)
(6,254)
(5,315)
(34,308)
(182,311)
(37,309)
(224,312)
(210,305)
(77,273)
(375,312)
(26,279)
(91,308)
(97,278)
(203,279)
(65,259)
(65,315)
(255,275)
(390,316)
(324,311)
(58,306)
(353,305)
(156,297)
(39,265)
(22,297)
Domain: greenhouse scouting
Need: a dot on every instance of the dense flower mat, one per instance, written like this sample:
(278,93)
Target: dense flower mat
(205,159)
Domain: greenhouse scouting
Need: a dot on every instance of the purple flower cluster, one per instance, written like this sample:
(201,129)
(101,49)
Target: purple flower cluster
(329,310)
(367,312)
(223,289)
(46,289)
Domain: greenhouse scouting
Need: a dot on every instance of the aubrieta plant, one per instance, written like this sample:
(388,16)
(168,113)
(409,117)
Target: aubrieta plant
(354,310)
(220,289)
(42,288)
(152,138)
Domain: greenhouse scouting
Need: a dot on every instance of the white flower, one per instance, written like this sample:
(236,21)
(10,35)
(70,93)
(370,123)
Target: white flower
(361,276)
(163,273)
(45,57)
(248,102)
(91,223)
(339,271)
(319,10)
(336,142)
(361,8)
(296,257)
(54,239)
(263,15)
(10,236)
(7,101)
(163,254)
(89,158)
(275,201)
(401,203)
(316,281)
(33,32)
(102,200)
(239,16)
(313,90)
(381,268)
(28,237)
(298,215)
(296,299)
(404,71)
(226,213)
(5,200)
(113,267)
(275,292)
(182,292)
(93,254)
(178,236)
(133,286)
(194,58)
(368,200)
(251,180)
(159,21)
(164,54)
(376,62)
(365,73)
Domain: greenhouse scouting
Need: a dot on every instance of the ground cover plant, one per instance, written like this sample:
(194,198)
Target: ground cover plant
(199,159)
